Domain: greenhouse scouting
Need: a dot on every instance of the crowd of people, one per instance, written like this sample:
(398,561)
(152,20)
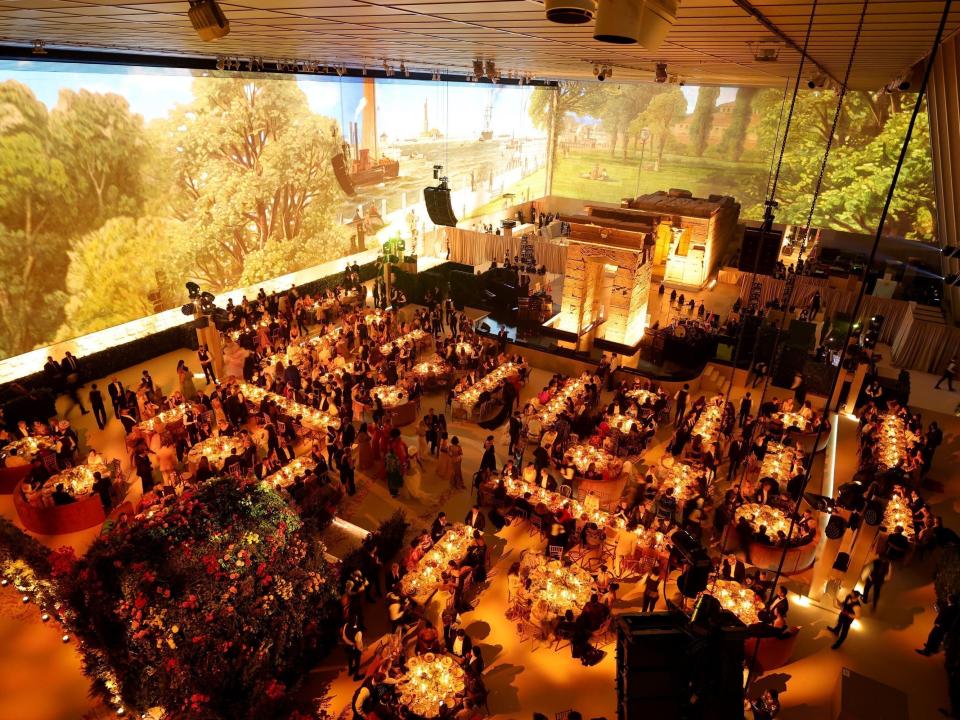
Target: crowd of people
(301,399)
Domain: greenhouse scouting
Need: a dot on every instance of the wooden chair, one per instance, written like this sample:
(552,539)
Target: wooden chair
(536,524)
(49,461)
(566,491)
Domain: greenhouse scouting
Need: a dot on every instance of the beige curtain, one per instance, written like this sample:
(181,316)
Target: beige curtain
(925,346)
(943,100)
(476,248)
(833,301)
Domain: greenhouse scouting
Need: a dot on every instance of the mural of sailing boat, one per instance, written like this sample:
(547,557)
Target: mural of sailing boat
(360,163)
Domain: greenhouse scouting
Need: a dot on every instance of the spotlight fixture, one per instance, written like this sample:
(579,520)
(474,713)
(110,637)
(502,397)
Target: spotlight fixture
(39,47)
(208,19)
(570,12)
(387,69)
(403,69)
(340,69)
(490,70)
(765,50)
(478,68)
(817,81)
(629,22)
(660,74)
(602,72)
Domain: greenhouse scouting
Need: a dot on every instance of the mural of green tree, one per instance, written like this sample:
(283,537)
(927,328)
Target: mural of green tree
(865,148)
(247,170)
(734,137)
(35,214)
(702,121)
(660,117)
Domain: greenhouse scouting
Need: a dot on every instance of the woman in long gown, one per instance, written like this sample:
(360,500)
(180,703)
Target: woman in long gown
(443,458)
(187,388)
(413,481)
(364,448)
(456,464)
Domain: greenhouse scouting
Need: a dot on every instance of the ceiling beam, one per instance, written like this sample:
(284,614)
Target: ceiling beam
(751,10)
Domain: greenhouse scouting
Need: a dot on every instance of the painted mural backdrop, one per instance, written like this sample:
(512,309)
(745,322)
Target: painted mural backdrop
(118,185)
(721,140)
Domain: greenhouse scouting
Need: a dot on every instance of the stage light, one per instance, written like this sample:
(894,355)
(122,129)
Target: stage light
(491,71)
(660,74)
(189,309)
(570,12)
(817,81)
(208,19)
(478,68)
(403,69)
(193,290)
(39,47)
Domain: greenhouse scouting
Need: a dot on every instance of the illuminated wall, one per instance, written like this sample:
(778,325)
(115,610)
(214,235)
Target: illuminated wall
(118,184)
(720,141)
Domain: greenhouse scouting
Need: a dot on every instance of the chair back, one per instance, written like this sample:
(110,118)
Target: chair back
(50,463)
(555,551)
(566,490)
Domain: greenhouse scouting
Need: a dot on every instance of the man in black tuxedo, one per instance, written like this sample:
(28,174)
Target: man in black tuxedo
(475,518)
(96,404)
(115,389)
(458,643)
(70,367)
(439,527)
(53,373)
(392,576)
(733,569)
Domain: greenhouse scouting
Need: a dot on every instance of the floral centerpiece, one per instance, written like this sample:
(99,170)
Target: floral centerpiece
(208,607)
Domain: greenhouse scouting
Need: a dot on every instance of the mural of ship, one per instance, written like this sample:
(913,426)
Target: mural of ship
(360,163)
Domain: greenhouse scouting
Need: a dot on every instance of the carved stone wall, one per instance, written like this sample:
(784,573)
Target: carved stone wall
(585,275)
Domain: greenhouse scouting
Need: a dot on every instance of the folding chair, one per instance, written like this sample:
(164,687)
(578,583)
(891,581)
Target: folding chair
(566,491)
(555,551)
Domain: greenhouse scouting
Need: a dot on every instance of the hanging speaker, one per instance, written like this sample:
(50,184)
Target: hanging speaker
(836,527)
(873,515)
(339,163)
(437,200)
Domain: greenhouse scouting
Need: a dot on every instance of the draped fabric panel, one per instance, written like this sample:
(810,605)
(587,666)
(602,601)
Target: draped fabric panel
(833,301)
(476,248)
(943,105)
(925,346)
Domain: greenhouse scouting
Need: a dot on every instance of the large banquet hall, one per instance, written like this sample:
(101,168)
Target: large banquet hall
(464,359)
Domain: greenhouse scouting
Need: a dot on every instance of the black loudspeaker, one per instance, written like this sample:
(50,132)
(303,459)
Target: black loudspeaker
(836,527)
(768,247)
(694,579)
(437,200)
(339,163)
(663,661)
(873,515)
(802,335)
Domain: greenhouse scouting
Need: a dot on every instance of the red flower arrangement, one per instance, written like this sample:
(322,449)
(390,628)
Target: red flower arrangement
(209,607)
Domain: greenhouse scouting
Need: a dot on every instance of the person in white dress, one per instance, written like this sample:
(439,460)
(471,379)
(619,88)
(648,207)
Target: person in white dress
(413,479)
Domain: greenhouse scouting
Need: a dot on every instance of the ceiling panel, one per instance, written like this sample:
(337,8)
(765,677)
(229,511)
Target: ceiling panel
(708,44)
